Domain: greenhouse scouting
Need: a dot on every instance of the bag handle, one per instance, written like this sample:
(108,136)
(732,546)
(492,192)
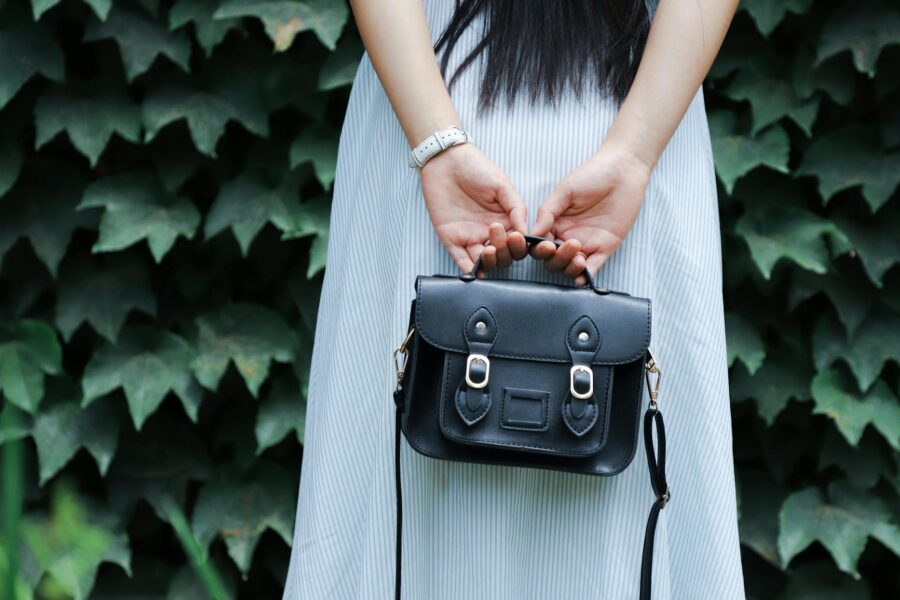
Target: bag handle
(530,241)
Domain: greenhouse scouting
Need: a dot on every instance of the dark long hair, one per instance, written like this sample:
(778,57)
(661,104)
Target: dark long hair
(543,47)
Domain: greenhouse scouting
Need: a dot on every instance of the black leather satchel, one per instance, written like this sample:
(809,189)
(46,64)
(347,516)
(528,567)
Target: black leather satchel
(529,374)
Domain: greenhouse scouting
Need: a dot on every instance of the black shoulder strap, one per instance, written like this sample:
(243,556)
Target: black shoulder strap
(656,462)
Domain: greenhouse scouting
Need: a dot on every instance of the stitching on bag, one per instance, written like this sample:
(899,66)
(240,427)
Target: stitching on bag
(545,400)
(430,340)
(466,333)
(463,440)
(569,334)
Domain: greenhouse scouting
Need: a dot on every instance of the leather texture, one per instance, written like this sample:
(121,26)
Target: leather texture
(533,334)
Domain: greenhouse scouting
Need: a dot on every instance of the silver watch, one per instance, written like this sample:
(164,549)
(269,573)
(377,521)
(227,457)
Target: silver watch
(436,143)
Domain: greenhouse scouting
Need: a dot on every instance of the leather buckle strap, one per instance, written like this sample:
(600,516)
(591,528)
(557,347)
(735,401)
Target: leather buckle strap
(480,366)
(581,382)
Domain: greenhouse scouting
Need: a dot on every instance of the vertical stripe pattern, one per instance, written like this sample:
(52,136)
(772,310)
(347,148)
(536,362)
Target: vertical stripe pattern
(488,532)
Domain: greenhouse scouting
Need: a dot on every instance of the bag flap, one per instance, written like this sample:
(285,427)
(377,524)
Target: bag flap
(533,319)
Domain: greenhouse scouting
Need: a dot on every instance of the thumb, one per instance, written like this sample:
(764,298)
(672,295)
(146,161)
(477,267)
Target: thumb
(554,205)
(514,206)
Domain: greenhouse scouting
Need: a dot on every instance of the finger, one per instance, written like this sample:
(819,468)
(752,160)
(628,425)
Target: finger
(488,259)
(558,201)
(596,261)
(518,248)
(576,266)
(514,206)
(543,250)
(497,234)
(561,259)
(462,259)
(474,251)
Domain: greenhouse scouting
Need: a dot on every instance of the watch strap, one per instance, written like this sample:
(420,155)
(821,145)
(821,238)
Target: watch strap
(436,143)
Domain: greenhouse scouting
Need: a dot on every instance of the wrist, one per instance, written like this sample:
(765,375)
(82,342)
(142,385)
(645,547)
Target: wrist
(436,143)
(630,137)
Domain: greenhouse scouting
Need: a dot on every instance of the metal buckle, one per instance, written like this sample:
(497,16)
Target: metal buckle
(487,371)
(572,390)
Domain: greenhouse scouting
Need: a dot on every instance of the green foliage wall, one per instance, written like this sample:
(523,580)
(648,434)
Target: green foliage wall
(165,172)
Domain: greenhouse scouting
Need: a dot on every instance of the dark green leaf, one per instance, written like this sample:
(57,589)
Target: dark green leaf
(760,501)
(100,7)
(776,230)
(64,427)
(312,218)
(744,342)
(240,510)
(842,524)
(246,204)
(147,364)
(874,238)
(851,294)
(863,28)
(206,111)
(29,350)
(772,97)
(780,378)
(318,144)
(340,67)
(863,465)
(866,352)
(251,335)
(282,411)
(135,208)
(836,397)
(10,164)
(89,118)
(769,13)
(102,297)
(209,31)
(737,154)
(850,157)
(284,19)
(835,77)
(26,49)
(141,39)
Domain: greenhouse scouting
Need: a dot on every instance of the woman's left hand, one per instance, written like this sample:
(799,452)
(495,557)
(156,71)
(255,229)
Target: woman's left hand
(591,210)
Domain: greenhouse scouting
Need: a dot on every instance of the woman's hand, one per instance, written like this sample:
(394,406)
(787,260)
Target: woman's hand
(470,200)
(591,210)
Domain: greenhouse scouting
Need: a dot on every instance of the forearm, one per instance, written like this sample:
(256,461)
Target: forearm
(397,39)
(683,42)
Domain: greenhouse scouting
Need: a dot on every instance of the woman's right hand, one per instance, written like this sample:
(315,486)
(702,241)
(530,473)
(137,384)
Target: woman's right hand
(470,200)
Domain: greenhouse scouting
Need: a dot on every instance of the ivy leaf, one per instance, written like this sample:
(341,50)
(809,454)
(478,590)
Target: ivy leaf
(312,218)
(72,542)
(737,154)
(850,157)
(760,501)
(863,465)
(767,14)
(744,342)
(836,398)
(26,49)
(209,31)
(206,111)
(777,230)
(141,39)
(41,209)
(174,158)
(137,208)
(11,160)
(318,144)
(842,524)
(339,69)
(873,237)
(148,364)
(772,97)
(89,119)
(282,411)
(780,378)
(63,428)
(834,77)
(246,204)
(851,294)
(102,297)
(241,509)
(29,350)
(864,29)
(251,335)
(284,19)
(100,7)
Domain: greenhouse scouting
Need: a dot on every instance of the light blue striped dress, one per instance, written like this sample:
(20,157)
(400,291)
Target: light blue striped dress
(485,532)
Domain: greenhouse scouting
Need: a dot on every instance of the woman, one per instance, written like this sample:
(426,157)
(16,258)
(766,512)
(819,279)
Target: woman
(628,187)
